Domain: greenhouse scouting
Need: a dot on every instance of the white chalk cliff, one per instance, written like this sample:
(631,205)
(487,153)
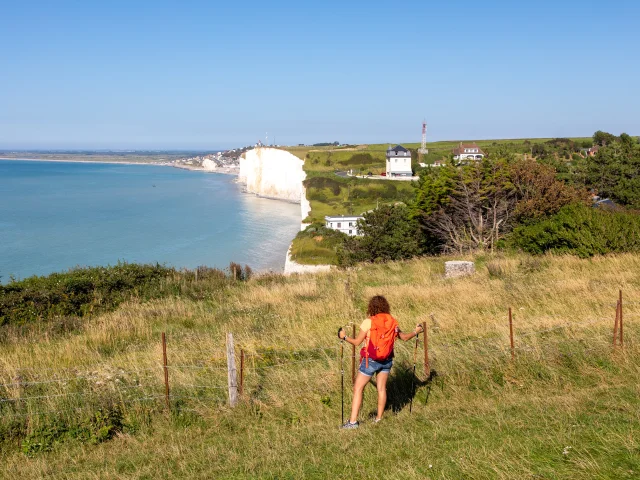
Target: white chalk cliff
(209,165)
(273,173)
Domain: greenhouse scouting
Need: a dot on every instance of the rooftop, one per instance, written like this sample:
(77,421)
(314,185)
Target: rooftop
(342,217)
(461,148)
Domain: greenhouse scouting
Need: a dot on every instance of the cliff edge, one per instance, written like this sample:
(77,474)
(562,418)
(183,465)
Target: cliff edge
(272,173)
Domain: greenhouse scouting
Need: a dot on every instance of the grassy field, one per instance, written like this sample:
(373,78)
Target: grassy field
(566,407)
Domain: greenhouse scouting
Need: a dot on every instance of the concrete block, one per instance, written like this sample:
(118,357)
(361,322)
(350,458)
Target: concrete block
(458,268)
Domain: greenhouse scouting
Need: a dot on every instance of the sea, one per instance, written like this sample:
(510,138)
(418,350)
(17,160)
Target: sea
(55,216)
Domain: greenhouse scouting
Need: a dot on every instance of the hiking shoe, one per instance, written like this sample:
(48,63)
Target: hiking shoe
(349,425)
(376,420)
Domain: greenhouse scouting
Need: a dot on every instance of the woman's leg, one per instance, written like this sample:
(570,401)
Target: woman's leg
(358,388)
(381,381)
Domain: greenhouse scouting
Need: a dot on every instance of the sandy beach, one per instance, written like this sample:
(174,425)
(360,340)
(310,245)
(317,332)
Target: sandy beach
(222,170)
(71,160)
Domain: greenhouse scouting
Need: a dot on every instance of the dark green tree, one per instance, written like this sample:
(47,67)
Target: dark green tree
(388,233)
(603,138)
(614,171)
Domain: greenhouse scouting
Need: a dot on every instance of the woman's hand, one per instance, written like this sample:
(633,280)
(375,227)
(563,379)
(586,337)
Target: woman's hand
(418,329)
(341,333)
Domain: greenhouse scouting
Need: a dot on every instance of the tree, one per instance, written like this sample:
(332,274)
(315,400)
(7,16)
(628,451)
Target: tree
(581,230)
(474,206)
(627,139)
(614,171)
(388,233)
(603,138)
(539,193)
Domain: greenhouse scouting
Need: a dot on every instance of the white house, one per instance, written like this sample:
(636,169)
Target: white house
(468,151)
(398,162)
(343,223)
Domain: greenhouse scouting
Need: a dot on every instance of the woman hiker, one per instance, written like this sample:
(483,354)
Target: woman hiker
(379,331)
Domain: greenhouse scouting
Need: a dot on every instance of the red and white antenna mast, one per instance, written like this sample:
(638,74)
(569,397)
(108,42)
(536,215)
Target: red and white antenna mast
(423,148)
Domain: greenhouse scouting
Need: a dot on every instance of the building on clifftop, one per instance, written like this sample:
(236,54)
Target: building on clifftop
(343,223)
(398,162)
(468,151)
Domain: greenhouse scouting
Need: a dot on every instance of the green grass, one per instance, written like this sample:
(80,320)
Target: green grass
(316,245)
(481,415)
(313,252)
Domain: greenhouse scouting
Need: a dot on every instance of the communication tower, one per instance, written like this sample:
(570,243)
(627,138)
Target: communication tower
(423,148)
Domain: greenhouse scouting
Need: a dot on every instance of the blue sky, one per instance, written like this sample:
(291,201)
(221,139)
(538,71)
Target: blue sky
(196,75)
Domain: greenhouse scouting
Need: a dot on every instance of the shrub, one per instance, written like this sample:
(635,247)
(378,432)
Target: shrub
(240,273)
(317,245)
(582,231)
(359,159)
(387,234)
(323,182)
(78,292)
(317,195)
(208,273)
(102,425)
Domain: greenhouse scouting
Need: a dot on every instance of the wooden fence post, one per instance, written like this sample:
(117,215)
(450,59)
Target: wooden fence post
(166,370)
(621,331)
(353,358)
(232,374)
(241,371)
(427,367)
(513,350)
(615,325)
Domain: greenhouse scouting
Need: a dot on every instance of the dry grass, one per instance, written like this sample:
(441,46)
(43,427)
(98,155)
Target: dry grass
(480,416)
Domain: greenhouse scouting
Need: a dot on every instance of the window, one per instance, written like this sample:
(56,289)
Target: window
(350,224)
(349,232)
(339,224)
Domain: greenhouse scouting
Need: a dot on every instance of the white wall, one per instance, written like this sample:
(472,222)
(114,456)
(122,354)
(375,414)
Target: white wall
(403,165)
(273,173)
(344,226)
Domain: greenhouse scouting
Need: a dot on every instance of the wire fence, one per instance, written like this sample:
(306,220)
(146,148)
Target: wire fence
(212,383)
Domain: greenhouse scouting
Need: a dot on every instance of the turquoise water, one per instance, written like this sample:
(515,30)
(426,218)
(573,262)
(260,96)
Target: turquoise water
(54,216)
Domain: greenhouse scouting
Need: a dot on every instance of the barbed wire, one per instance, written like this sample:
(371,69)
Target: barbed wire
(199,386)
(61,380)
(200,367)
(66,371)
(291,351)
(286,363)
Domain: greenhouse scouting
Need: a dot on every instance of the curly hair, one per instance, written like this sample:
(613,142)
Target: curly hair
(378,304)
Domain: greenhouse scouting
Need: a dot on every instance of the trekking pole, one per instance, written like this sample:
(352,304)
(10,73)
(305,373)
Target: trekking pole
(341,373)
(342,379)
(413,377)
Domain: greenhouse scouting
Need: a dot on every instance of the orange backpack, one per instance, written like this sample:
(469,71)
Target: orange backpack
(383,333)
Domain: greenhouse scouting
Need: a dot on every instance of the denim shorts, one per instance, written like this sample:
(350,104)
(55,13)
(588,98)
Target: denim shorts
(375,367)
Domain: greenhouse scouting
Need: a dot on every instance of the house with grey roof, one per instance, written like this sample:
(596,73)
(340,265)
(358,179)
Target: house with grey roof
(398,162)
